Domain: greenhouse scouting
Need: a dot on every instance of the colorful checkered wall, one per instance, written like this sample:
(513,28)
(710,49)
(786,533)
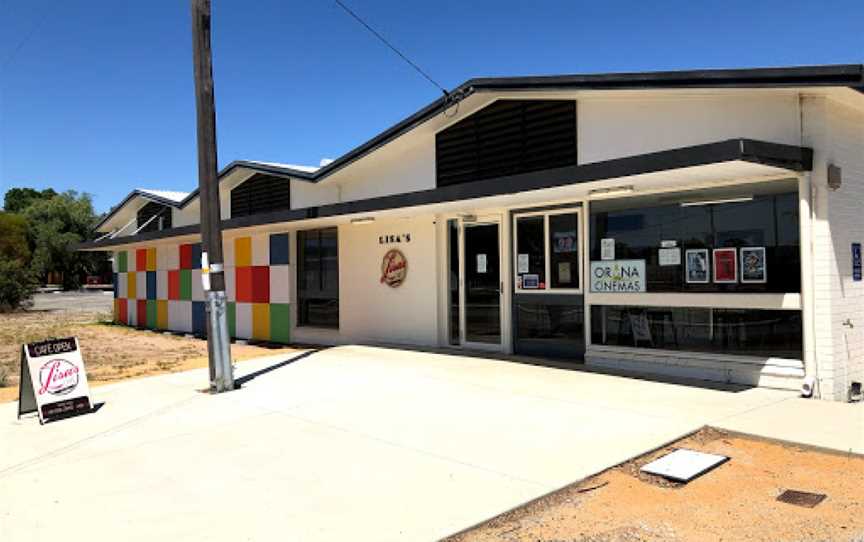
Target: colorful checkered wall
(159,287)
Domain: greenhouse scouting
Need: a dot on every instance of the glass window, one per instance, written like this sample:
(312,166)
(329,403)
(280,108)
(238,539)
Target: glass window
(530,252)
(547,243)
(318,278)
(677,235)
(564,251)
(453,278)
(549,326)
(749,332)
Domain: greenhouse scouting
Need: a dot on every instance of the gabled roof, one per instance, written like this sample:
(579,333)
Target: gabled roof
(761,156)
(839,75)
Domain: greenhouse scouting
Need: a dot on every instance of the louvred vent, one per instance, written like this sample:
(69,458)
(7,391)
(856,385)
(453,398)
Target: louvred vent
(507,137)
(260,194)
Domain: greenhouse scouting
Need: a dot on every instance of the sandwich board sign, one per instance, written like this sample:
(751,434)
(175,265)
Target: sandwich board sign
(53,381)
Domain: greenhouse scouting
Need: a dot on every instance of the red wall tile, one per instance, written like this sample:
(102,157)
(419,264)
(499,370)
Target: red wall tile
(260,284)
(185,256)
(141,313)
(174,284)
(243,284)
(123,311)
(141,259)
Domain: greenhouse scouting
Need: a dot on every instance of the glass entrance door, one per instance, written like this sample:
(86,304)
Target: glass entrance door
(481,280)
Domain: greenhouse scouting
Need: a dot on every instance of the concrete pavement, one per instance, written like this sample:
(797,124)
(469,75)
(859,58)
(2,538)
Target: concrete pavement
(350,443)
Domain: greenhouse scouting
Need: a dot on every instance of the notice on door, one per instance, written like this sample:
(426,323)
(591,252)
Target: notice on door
(53,380)
(481,263)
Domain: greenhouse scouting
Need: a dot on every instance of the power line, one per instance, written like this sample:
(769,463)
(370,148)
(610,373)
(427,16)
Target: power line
(392,47)
(39,20)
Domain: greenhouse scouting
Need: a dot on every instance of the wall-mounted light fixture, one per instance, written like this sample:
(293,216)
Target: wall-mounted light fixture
(612,192)
(716,201)
(363,220)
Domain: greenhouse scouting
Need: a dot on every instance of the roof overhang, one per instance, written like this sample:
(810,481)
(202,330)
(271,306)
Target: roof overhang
(685,167)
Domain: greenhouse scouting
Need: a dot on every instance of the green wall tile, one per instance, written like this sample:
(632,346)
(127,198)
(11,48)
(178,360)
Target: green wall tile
(185,284)
(121,261)
(280,322)
(152,314)
(232,319)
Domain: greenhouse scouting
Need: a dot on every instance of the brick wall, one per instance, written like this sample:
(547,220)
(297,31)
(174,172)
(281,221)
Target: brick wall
(836,133)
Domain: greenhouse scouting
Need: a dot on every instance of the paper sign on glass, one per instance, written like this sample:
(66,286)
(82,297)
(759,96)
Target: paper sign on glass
(481,263)
(607,249)
(522,263)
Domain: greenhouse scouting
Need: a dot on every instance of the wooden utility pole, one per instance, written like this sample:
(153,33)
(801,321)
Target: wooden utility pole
(212,270)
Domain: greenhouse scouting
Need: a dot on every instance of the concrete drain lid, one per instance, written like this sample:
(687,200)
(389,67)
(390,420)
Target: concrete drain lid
(683,465)
(801,498)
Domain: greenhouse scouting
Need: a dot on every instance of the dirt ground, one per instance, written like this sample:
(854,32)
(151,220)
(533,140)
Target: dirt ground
(111,352)
(735,501)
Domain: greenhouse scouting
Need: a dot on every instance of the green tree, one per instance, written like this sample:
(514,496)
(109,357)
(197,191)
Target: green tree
(55,225)
(17,282)
(13,237)
(17,200)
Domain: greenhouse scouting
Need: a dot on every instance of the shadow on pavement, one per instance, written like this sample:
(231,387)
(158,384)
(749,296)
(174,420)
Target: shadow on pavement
(238,382)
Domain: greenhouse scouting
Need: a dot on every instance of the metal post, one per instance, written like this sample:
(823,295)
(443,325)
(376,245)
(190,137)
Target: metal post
(218,346)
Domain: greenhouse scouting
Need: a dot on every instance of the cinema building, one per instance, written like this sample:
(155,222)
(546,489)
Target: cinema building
(702,224)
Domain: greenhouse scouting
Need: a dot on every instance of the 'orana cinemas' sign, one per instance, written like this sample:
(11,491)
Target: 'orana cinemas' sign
(394,268)
(53,380)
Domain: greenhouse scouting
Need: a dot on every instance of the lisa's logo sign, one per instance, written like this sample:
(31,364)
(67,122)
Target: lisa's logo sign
(394,268)
(53,380)
(57,377)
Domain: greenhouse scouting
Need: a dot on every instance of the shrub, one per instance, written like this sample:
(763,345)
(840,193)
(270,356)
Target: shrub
(17,285)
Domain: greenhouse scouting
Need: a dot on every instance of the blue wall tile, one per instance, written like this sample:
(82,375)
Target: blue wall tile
(279,248)
(151,284)
(116,286)
(196,256)
(199,318)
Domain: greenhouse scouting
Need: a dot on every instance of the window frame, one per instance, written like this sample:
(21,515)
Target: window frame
(547,264)
(301,269)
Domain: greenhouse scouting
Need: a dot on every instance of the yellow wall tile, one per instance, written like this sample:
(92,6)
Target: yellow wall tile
(261,321)
(151,259)
(162,314)
(243,251)
(131,286)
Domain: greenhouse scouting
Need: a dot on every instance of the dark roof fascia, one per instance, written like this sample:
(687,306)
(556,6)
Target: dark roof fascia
(788,157)
(850,75)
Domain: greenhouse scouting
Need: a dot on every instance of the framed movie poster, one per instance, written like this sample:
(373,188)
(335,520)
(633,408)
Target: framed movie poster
(753,266)
(697,265)
(725,265)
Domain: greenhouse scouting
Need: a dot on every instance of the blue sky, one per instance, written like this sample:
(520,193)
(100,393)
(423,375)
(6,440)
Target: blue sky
(100,98)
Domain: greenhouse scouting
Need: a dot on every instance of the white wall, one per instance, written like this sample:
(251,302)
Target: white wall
(372,311)
(626,126)
(402,166)
(308,194)
(836,133)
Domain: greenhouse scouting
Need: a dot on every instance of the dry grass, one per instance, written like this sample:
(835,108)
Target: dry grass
(735,501)
(110,352)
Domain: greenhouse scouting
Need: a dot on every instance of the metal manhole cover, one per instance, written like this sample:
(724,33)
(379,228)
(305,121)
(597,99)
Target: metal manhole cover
(801,498)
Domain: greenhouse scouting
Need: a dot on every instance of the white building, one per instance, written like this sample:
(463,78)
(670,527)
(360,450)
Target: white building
(700,224)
